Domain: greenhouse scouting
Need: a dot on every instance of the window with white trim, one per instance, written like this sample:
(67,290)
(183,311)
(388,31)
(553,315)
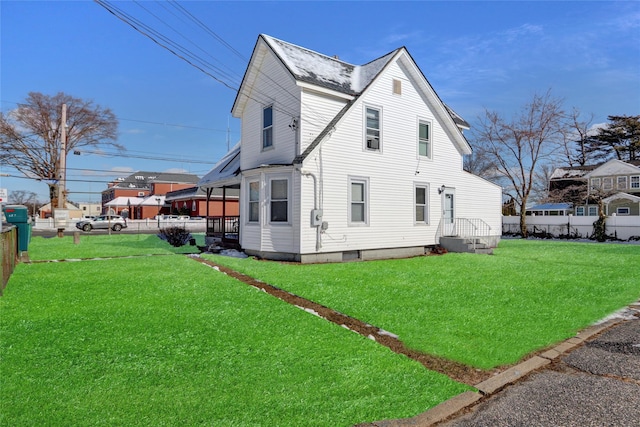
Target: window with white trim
(595,183)
(421,194)
(424,139)
(593,211)
(607,183)
(254,201)
(635,181)
(621,183)
(267,127)
(358,201)
(279,203)
(372,119)
(580,211)
(623,211)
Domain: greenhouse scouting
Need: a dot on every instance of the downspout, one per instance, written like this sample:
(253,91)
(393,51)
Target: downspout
(315,207)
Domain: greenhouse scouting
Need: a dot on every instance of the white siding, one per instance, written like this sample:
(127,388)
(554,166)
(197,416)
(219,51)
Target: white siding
(266,235)
(273,86)
(392,173)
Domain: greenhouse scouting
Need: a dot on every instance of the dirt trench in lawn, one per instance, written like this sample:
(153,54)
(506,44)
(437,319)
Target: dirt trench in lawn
(454,370)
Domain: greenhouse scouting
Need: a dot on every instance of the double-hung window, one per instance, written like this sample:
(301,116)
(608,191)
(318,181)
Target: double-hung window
(595,183)
(622,183)
(422,207)
(358,201)
(424,139)
(593,211)
(635,182)
(580,211)
(607,183)
(372,128)
(267,127)
(279,200)
(254,201)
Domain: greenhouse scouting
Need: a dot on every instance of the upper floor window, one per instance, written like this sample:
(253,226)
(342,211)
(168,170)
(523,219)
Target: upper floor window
(595,183)
(622,183)
(607,183)
(254,201)
(422,207)
(635,181)
(373,128)
(267,127)
(279,200)
(358,201)
(424,139)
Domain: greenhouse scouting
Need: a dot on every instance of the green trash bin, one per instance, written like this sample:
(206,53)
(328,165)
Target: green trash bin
(18,215)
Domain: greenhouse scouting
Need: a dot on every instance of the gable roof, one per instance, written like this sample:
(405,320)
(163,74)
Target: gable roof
(613,167)
(309,67)
(351,81)
(621,196)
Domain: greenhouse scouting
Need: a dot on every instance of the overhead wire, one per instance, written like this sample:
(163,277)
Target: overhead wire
(262,98)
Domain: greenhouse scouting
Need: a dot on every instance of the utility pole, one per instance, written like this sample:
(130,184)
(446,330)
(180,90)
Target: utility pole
(63,159)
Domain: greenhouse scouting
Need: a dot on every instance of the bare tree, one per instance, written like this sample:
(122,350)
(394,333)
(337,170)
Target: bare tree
(577,139)
(520,145)
(24,197)
(30,135)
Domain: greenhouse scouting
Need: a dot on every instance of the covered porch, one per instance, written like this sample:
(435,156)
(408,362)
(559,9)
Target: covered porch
(224,227)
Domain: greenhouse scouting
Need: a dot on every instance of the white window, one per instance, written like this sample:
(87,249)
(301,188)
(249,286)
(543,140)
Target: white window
(422,204)
(635,181)
(372,120)
(580,211)
(623,211)
(358,201)
(607,183)
(622,183)
(595,183)
(593,211)
(254,201)
(267,127)
(279,206)
(424,139)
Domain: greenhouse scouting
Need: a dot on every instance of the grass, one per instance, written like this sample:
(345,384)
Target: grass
(96,245)
(484,311)
(168,341)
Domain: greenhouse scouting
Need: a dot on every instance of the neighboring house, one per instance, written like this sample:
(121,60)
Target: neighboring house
(192,201)
(339,162)
(616,182)
(143,185)
(73,210)
(90,209)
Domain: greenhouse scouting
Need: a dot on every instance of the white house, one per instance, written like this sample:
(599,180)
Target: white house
(340,161)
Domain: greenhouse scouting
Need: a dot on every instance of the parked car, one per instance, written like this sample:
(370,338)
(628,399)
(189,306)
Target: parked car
(116,222)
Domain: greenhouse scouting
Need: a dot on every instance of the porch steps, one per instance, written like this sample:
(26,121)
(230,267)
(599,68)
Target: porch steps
(465,244)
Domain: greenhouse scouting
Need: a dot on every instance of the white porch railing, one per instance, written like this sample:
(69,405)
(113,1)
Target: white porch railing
(474,229)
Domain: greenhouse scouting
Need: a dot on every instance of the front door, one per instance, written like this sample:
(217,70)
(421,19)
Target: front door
(448,212)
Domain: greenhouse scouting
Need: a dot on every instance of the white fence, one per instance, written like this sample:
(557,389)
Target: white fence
(133,225)
(621,227)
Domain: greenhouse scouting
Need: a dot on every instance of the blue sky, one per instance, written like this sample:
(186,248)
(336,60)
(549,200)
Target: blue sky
(476,55)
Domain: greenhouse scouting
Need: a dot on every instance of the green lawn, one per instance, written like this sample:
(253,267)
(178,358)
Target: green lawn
(101,245)
(484,311)
(164,340)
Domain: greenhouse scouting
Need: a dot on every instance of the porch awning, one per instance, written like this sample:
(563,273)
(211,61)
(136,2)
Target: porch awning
(619,196)
(124,201)
(226,173)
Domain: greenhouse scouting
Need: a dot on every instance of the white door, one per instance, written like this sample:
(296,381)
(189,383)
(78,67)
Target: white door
(448,212)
